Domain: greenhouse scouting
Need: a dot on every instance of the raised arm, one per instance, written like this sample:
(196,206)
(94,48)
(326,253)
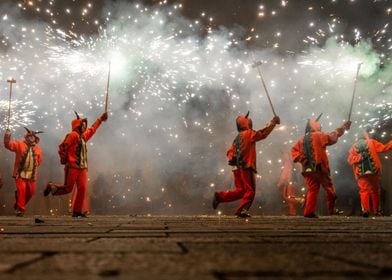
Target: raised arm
(334,135)
(263,133)
(8,144)
(91,130)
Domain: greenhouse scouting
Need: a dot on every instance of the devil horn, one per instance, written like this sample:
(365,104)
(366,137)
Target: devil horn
(319,117)
(28,131)
(247,114)
(77,116)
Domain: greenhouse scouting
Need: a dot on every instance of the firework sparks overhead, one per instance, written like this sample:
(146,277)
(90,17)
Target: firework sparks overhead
(181,71)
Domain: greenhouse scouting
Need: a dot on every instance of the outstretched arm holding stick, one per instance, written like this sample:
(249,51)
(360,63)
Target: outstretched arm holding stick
(10,81)
(353,96)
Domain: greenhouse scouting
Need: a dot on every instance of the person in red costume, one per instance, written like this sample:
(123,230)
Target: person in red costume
(28,157)
(310,151)
(242,157)
(76,163)
(288,183)
(363,156)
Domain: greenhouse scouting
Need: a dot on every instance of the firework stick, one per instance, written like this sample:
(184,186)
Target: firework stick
(107,91)
(257,66)
(10,81)
(353,96)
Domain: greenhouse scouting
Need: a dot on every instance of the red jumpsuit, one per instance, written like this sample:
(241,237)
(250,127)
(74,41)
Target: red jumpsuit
(242,156)
(76,164)
(363,156)
(28,157)
(310,151)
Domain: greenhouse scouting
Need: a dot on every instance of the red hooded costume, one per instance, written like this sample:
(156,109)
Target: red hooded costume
(28,157)
(242,156)
(310,151)
(363,156)
(76,164)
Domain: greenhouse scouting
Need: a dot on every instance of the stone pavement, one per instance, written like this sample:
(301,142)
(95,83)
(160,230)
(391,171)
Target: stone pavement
(195,247)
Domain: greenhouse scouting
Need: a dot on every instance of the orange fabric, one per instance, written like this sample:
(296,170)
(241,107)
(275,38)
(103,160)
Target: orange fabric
(245,189)
(320,140)
(74,176)
(247,142)
(20,148)
(374,147)
(74,140)
(313,181)
(369,190)
(24,191)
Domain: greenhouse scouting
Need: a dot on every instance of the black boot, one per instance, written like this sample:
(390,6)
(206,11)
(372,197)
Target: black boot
(79,214)
(215,201)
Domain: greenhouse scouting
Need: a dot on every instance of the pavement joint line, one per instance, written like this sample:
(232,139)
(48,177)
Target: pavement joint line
(184,249)
(93,239)
(351,274)
(354,262)
(44,255)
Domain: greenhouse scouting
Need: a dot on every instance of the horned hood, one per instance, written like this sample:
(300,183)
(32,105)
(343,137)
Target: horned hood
(243,122)
(32,133)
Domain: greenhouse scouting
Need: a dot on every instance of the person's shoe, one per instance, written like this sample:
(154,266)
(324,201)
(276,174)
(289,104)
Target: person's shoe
(19,213)
(48,189)
(379,213)
(243,214)
(311,215)
(365,214)
(79,214)
(215,201)
(337,212)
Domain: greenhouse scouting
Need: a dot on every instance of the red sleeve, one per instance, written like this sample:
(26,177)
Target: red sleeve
(230,152)
(39,156)
(262,133)
(381,148)
(91,130)
(334,135)
(296,152)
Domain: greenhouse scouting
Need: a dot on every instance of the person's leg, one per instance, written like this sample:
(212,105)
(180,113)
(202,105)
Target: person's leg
(326,183)
(66,188)
(20,196)
(364,194)
(374,189)
(30,189)
(237,193)
(81,192)
(249,186)
(313,186)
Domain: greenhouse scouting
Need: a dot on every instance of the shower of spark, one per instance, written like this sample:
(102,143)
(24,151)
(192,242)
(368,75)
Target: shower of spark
(177,85)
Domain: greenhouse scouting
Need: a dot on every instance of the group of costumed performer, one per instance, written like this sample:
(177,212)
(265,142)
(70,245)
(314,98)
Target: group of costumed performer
(28,158)
(310,152)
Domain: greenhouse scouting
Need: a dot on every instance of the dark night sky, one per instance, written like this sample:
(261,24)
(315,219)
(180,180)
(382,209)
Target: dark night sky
(291,20)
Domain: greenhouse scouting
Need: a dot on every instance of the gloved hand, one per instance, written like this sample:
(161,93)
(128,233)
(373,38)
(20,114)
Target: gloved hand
(104,117)
(347,125)
(275,120)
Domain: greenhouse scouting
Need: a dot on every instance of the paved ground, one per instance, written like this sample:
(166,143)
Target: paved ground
(195,247)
